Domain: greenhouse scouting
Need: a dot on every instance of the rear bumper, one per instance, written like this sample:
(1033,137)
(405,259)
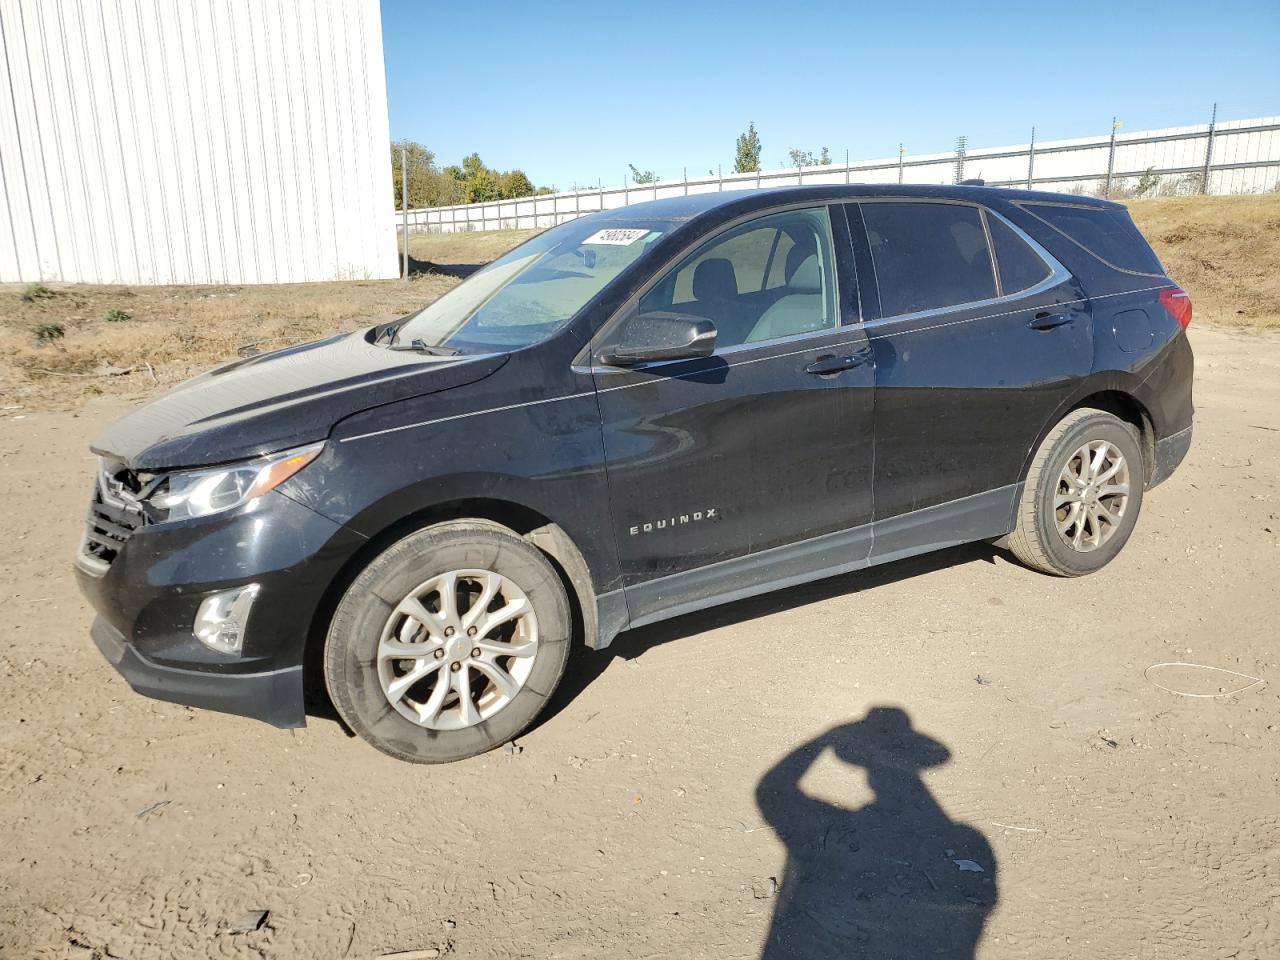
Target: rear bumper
(1170,452)
(274,696)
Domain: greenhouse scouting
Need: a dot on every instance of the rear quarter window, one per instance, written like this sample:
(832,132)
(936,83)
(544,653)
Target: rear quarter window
(1020,266)
(1109,234)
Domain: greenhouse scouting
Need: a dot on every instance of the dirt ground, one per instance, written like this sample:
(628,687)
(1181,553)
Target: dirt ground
(841,755)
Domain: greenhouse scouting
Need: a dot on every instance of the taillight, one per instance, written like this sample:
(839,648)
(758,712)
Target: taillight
(1176,301)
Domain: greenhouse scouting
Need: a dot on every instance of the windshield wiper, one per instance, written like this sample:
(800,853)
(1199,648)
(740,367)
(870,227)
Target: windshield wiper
(388,332)
(421,346)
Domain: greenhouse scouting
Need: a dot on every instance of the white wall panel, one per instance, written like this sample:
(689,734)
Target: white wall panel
(194,141)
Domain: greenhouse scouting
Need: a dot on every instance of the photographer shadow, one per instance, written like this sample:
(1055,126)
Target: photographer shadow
(893,879)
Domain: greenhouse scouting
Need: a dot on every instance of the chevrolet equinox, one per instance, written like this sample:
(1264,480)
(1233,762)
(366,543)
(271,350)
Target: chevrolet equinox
(633,415)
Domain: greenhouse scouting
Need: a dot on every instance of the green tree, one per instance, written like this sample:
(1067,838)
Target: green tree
(421,162)
(513,184)
(747,159)
(482,186)
(807,158)
(472,166)
(642,176)
(469,182)
(429,186)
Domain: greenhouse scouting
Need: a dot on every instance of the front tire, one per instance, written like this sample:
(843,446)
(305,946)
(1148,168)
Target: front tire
(1082,495)
(449,643)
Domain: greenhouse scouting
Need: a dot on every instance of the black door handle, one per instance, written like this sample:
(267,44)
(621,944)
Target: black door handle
(836,364)
(1047,321)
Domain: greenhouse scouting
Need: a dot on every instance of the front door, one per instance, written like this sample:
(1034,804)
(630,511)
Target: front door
(717,465)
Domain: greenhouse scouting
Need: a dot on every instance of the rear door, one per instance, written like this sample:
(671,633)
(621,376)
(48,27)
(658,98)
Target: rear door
(979,336)
(763,444)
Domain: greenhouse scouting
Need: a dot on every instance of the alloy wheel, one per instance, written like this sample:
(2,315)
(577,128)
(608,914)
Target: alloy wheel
(457,649)
(1092,495)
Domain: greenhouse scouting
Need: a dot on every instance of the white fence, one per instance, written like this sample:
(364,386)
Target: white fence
(194,142)
(1237,156)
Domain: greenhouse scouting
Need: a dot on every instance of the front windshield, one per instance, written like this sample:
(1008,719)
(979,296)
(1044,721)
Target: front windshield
(526,295)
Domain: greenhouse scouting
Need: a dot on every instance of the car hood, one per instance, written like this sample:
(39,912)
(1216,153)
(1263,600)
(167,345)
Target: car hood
(278,400)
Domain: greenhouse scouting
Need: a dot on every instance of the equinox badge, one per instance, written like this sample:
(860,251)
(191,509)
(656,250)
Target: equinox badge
(679,521)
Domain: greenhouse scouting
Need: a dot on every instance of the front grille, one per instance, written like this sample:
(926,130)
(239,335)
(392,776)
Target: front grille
(114,514)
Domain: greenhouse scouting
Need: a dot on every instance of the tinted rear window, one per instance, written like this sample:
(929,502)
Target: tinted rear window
(928,255)
(1106,233)
(1020,266)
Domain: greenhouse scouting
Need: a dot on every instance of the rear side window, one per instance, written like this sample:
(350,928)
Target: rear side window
(928,255)
(1108,234)
(1020,266)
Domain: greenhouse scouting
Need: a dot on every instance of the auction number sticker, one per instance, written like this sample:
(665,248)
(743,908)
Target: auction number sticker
(617,236)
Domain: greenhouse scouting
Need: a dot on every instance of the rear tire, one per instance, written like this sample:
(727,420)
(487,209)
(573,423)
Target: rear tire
(1082,495)
(462,609)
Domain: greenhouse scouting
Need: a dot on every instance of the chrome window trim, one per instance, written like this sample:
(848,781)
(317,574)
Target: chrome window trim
(1057,272)
(991,251)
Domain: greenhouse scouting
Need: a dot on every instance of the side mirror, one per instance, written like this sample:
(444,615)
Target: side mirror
(660,336)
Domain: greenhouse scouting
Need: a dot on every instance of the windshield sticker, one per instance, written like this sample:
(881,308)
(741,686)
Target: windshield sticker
(616,236)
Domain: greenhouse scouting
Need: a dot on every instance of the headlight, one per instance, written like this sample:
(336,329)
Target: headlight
(198,493)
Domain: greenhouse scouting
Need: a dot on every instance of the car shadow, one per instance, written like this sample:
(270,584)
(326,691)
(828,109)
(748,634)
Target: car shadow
(894,878)
(586,666)
(459,270)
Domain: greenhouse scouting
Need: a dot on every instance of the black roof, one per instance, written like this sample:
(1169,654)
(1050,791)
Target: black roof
(696,204)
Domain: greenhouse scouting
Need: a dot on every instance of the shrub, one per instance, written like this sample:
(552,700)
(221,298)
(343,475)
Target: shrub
(36,291)
(117,316)
(49,332)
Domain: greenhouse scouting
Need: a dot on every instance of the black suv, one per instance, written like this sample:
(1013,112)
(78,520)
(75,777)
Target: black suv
(636,414)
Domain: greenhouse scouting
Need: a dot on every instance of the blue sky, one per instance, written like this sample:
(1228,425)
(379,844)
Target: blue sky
(572,92)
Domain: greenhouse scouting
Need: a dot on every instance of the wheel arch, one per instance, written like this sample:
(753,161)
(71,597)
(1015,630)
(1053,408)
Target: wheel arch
(529,524)
(1115,395)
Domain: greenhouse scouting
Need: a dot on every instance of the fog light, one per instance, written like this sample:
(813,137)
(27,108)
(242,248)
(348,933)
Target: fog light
(223,617)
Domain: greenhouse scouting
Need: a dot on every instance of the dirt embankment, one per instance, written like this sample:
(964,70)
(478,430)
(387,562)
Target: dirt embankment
(1225,251)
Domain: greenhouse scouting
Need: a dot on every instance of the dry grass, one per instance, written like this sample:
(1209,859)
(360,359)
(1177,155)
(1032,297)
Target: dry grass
(465,248)
(174,332)
(1224,250)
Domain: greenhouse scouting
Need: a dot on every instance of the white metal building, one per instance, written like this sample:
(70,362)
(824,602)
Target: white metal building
(194,141)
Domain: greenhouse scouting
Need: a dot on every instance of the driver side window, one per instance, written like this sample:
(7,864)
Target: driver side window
(766,279)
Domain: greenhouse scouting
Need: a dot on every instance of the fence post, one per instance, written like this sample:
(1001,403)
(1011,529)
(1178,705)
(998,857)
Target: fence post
(846,166)
(1111,159)
(1031,159)
(1208,152)
(626,192)
(404,206)
(686,181)
(719,178)
(901,152)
